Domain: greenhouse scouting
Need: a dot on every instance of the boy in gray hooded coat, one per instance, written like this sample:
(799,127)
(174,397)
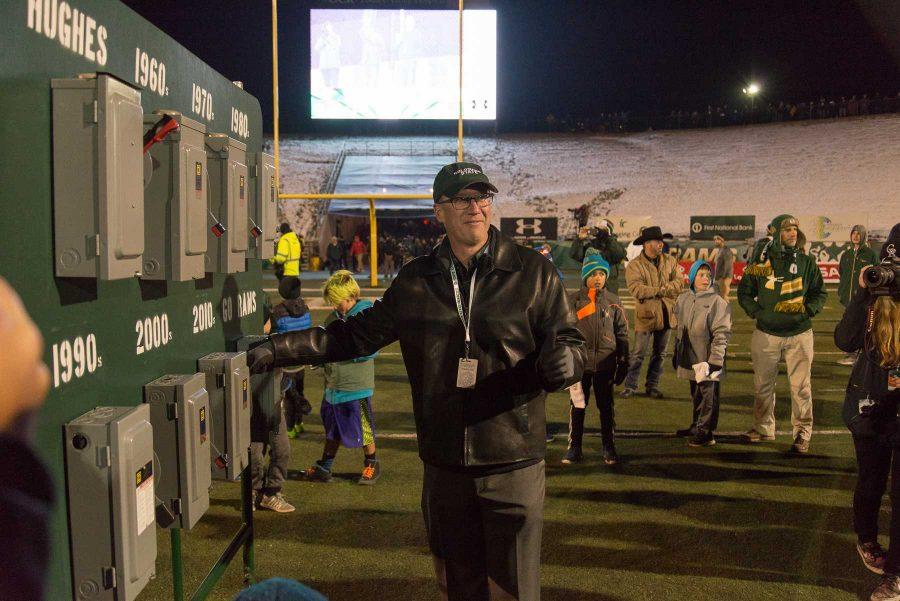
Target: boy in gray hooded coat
(704,328)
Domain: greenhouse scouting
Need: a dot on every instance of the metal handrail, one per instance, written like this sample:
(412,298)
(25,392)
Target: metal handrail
(356,196)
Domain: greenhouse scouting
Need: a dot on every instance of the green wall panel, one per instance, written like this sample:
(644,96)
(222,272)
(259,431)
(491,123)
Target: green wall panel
(104,315)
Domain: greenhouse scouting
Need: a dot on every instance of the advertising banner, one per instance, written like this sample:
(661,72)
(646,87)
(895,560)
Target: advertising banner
(833,227)
(529,230)
(627,227)
(826,254)
(730,227)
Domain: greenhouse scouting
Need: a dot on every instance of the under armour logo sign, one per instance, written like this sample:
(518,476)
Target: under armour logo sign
(528,224)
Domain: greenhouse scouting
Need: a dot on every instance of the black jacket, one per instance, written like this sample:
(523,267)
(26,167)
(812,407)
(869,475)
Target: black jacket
(868,380)
(26,501)
(605,330)
(519,300)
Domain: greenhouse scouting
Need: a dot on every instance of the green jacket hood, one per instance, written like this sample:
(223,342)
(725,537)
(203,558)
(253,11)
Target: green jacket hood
(863,234)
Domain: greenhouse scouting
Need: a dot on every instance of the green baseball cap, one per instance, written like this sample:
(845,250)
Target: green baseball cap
(456,176)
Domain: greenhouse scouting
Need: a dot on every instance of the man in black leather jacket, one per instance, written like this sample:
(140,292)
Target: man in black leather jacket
(483,446)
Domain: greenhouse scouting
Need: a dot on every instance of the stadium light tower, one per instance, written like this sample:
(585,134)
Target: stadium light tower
(752,90)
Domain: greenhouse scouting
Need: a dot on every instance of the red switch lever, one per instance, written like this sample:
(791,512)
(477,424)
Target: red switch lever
(159,131)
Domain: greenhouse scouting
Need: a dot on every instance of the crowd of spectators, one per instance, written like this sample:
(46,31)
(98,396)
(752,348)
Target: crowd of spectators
(397,243)
(725,114)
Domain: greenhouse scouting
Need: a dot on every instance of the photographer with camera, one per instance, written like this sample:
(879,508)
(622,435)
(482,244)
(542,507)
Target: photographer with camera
(871,325)
(605,242)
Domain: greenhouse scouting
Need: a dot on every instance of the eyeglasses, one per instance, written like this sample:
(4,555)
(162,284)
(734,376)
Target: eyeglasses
(461,203)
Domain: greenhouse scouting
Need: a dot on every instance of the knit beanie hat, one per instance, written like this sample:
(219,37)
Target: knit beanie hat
(279,589)
(289,288)
(593,261)
(695,268)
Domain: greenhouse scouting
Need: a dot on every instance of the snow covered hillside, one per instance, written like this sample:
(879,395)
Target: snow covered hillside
(805,168)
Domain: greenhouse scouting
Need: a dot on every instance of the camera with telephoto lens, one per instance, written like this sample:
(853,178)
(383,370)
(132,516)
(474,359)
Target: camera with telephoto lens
(598,233)
(884,279)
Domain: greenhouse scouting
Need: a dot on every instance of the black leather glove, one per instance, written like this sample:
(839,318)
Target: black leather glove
(261,358)
(621,372)
(555,364)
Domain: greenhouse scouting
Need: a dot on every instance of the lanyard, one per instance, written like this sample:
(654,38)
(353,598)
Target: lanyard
(459,307)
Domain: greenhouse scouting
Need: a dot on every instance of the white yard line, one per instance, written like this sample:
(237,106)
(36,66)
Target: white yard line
(629,434)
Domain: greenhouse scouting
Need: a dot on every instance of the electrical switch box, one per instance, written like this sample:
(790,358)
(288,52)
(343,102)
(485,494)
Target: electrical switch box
(176,202)
(110,478)
(182,427)
(230,404)
(266,414)
(229,195)
(263,208)
(98,174)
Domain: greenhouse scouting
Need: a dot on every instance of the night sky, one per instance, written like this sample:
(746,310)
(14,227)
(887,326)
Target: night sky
(587,57)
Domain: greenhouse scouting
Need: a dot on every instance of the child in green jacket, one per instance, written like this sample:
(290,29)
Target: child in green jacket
(349,386)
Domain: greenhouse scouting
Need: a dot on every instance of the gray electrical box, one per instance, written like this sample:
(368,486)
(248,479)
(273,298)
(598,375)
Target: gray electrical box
(263,207)
(229,195)
(230,404)
(179,412)
(110,479)
(176,202)
(98,174)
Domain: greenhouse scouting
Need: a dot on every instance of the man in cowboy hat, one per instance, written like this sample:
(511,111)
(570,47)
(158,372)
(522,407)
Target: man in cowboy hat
(655,281)
(782,294)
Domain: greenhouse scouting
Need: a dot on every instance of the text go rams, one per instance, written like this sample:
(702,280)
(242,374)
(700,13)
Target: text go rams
(72,28)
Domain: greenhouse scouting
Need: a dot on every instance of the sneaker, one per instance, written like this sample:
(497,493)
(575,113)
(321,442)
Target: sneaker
(801,445)
(848,359)
(549,437)
(687,432)
(753,436)
(701,440)
(370,473)
(610,457)
(293,432)
(655,393)
(317,473)
(626,393)
(888,590)
(276,503)
(573,455)
(873,556)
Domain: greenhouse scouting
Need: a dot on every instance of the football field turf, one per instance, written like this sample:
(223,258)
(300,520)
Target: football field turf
(733,521)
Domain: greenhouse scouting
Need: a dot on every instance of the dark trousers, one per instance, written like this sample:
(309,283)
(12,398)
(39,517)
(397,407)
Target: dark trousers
(270,478)
(705,396)
(296,404)
(486,527)
(655,342)
(602,383)
(875,461)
